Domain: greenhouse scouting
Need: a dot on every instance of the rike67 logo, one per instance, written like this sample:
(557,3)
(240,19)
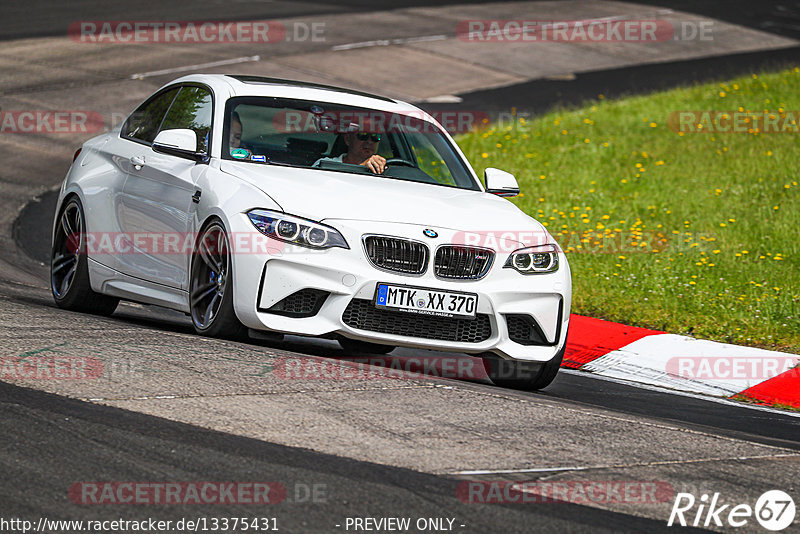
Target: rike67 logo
(774,510)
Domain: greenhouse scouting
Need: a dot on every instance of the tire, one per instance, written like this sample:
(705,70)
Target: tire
(358,347)
(528,376)
(69,265)
(211,286)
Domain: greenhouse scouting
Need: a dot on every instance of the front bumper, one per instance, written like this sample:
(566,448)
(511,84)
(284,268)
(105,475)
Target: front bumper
(261,280)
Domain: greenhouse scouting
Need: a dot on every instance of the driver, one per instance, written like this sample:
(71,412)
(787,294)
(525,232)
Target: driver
(362,146)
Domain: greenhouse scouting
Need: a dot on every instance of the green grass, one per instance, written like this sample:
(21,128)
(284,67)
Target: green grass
(779,405)
(694,234)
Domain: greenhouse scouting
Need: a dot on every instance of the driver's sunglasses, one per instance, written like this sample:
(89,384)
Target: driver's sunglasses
(363,136)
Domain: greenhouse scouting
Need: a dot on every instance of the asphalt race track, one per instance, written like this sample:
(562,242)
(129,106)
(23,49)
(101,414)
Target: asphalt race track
(170,406)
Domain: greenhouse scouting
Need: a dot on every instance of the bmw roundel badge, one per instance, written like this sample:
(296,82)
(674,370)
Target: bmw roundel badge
(430,233)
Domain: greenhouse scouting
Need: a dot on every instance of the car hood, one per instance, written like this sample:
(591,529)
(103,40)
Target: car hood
(324,195)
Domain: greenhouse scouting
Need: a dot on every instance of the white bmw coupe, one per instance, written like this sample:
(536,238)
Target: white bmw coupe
(258,204)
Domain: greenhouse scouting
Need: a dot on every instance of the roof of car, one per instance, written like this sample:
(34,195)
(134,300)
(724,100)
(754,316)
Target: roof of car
(280,81)
(240,85)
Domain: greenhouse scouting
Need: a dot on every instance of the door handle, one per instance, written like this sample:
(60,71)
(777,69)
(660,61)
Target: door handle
(137,162)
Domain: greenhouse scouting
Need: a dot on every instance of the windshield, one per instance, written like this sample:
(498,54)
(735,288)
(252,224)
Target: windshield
(306,134)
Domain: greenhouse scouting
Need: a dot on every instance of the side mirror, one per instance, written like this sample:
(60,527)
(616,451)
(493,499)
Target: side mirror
(179,142)
(501,183)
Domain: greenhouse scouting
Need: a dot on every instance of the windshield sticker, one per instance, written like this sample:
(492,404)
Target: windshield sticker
(240,153)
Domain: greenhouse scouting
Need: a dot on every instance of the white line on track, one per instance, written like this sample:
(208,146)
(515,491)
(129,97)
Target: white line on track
(387,42)
(442,37)
(618,466)
(246,59)
(514,471)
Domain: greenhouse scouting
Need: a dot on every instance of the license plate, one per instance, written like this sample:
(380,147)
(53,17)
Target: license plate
(425,301)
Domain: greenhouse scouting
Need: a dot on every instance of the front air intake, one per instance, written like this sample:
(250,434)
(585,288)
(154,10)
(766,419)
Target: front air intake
(462,263)
(396,254)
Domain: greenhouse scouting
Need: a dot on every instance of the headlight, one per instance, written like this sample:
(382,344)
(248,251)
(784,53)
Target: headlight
(534,260)
(295,230)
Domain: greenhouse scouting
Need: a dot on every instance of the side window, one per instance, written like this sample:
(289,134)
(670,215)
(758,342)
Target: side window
(192,110)
(144,122)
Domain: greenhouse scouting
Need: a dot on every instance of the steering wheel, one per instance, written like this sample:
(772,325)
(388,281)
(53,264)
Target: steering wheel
(400,161)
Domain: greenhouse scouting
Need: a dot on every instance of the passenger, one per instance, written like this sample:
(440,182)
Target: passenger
(235,140)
